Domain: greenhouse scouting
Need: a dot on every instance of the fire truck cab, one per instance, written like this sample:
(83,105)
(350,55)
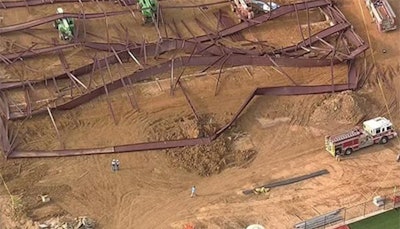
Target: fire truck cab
(374,131)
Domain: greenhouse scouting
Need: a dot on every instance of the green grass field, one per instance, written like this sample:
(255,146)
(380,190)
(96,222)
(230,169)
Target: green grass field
(387,220)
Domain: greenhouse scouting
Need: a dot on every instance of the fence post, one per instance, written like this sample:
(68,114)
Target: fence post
(384,203)
(344,216)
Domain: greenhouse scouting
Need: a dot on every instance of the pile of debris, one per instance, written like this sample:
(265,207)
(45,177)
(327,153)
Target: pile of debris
(82,222)
(345,107)
(204,160)
(207,160)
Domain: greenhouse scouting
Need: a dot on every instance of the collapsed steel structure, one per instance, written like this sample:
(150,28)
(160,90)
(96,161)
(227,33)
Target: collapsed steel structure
(205,50)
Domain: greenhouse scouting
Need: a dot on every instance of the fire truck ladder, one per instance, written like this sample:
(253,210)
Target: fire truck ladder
(340,137)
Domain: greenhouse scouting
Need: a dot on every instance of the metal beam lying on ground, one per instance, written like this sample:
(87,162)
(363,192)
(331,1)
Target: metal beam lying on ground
(51,18)
(293,90)
(285,9)
(233,60)
(290,181)
(14,4)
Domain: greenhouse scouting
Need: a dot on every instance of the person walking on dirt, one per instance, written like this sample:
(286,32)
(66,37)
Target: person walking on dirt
(398,157)
(193,193)
(337,157)
(117,164)
(113,165)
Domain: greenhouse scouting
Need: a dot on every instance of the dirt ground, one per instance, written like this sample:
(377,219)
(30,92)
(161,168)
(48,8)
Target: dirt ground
(276,138)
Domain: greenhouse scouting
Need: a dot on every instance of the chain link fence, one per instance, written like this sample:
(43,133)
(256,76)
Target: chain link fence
(344,215)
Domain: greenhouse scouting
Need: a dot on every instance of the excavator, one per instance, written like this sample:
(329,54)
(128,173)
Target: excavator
(65,26)
(148,9)
(246,9)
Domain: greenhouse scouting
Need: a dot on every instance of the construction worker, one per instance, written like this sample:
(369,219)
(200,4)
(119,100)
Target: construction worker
(398,157)
(193,193)
(113,165)
(337,157)
(117,165)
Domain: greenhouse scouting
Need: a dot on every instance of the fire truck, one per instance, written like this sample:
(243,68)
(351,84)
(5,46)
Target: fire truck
(374,131)
(382,13)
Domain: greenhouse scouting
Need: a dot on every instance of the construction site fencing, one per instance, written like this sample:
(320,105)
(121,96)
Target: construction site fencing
(352,214)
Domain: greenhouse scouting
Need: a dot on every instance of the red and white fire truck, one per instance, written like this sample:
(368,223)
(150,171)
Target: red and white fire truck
(375,131)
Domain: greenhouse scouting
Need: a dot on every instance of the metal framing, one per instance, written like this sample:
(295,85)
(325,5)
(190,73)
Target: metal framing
(205,50)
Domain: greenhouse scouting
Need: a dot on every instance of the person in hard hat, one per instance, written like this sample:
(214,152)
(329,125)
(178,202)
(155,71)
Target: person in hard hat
(114,165)
(193,193)
(117,165)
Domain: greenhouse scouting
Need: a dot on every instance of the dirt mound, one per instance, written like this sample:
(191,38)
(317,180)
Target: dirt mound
(206,160)
(203,159)
(173,128)
(344,107)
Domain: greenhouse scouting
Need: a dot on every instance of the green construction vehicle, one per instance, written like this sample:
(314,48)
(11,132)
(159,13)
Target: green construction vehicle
(65,26)
(148,9)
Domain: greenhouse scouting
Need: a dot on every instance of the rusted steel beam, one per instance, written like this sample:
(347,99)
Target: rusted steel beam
(209,33)
(114,149)
(298,23)
(282,71)
(108,99)
(195,113)
(28,102)
(30,53)
(73,79)
(285,9)
(171,6)
(234,60)
(5,138)
(172,29)
(184,68)
(277,91)
(226,22)
(4,108)
(132,99)
(220,72)
(5,60)
(14,4)
(172,44)
(176,29)
(172,77)
(295,90)
(308,24)
(22,53)
(51,18)
(55,126)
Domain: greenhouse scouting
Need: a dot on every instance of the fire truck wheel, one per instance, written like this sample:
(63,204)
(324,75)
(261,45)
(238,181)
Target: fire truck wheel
(384,140)
(348,151)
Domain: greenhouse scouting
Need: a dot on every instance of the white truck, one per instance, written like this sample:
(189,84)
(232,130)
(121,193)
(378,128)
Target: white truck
(383,14)
(245,9)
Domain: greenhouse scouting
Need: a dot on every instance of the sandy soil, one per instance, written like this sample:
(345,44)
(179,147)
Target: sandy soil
(283,137)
